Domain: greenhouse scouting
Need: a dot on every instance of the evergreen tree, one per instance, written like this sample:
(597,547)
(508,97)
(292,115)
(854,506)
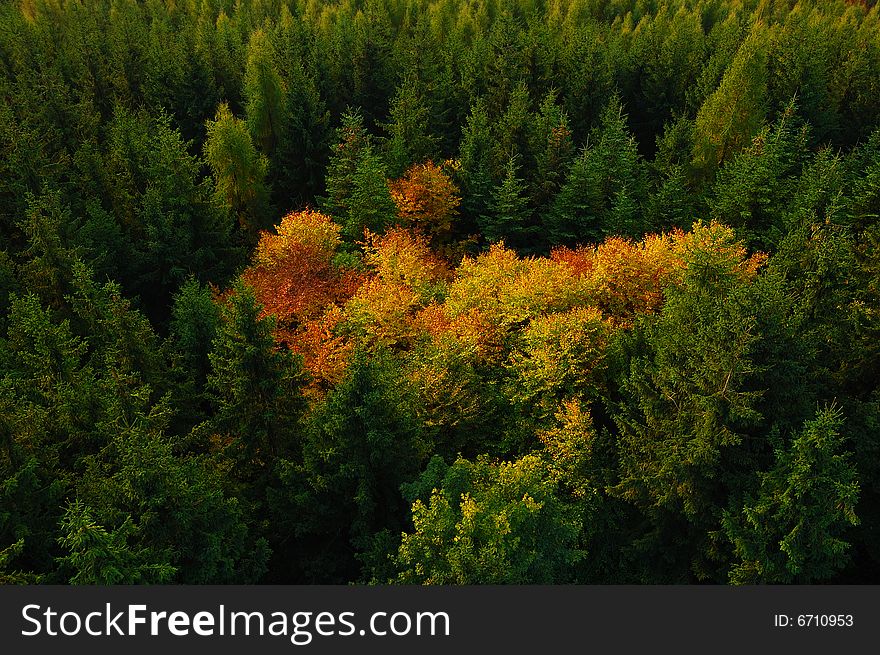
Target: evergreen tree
(301,154)
(550,141)
(510,218)
(706,379)
(265,95)
(475,172)
(604,188)
(793,530)
(99,557)
(731,116)
(353,144)
(409,141)
(363,443)
(371,206)
(254,387)
(752,191)
(239,171)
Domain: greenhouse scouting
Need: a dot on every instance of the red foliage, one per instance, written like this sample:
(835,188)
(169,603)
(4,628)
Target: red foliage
(293,274)
(427,200)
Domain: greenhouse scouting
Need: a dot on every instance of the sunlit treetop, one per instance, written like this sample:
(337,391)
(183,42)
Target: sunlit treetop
(308,228)
(402,256)
(511,289)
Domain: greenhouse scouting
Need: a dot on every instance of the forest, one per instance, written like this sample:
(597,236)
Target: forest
(439,291)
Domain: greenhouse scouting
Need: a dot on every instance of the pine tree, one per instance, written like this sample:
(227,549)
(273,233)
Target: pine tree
(752,191)
(718,368)
(550,141)
(731,116)
(370,206)
(100,557)
(254,387)
(475,172)
(353,143)
(363,443)
(301,154)
(265,95)
(605,187)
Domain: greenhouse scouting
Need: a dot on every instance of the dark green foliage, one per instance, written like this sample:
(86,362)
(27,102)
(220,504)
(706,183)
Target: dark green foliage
(409,141)
(720,366)
(551,143)
(362,444)
(300,157)
(97,556)
(352,142)
(752,191)
(194,323)
(510,216)
(169,509)
(793,530)
(370,206)
(604,187)
(357,189)
(264,95)
(476,176)
(254,387)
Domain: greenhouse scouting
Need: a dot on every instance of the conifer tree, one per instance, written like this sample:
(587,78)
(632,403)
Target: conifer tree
(605,186)
(371,206)
(409,141)
(265,95)
(363,443)
(475,172)
(731,116)
(254,386)
(510,217)
(352,143)
(793,530)
(239,171)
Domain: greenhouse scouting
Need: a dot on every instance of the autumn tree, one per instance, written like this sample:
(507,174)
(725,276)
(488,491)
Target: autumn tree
(294,274)
(427,200)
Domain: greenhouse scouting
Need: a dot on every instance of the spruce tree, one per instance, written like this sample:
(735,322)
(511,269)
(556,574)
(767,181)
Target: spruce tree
(510,217)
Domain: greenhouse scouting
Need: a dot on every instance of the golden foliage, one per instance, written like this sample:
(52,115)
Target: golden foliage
(401,256)
(427,200)
(293,274)
(305,228)
(511,290)
(325,352)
